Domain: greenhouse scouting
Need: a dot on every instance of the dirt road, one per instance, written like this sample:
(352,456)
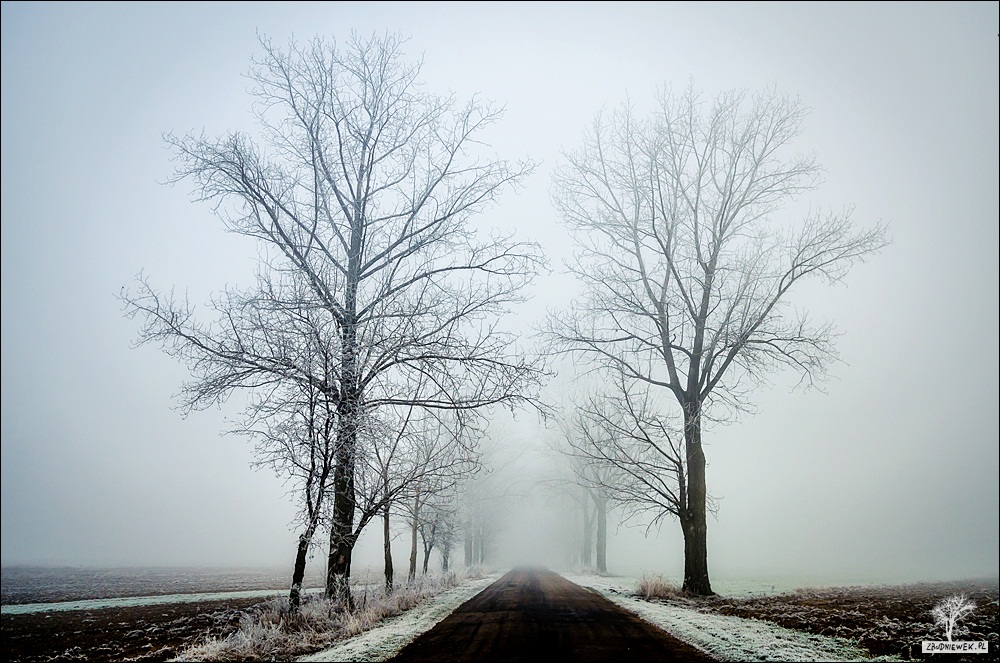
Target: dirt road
(536,615)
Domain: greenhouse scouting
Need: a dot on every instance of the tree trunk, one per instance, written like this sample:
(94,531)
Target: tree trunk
(342,538)
(469,561)
(602,533)
(302,552)
(299,572)
(445,555)
(413,539)
(480,553)
(387,546)
(588,531)
(427,557)
(694,523)
(338,573)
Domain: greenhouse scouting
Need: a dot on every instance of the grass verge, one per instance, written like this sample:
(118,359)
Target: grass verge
(272,632)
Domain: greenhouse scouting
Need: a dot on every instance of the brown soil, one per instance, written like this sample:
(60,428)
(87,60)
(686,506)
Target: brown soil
(147,633)
(536,615)
(886,620)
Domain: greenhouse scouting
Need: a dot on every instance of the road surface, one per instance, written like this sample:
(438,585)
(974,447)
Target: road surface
(538,616)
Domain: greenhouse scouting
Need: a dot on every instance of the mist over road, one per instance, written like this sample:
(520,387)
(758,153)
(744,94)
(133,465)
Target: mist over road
(537,615)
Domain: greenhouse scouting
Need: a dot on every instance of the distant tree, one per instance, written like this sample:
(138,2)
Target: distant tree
(950,611)
(363,186)
(395,459)
(483,500)
(445,455)
(593,502)
(634,454)
(588,482)
(686,271)
(588,520)
(437,516)
(446,531)
(413,454)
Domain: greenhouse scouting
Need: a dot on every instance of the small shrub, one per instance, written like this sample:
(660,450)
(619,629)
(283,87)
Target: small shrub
(657,587)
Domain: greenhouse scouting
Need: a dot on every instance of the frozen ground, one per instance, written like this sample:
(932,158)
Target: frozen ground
(37,585)
(724,637)
(164,627)
(386,639)
(751,621)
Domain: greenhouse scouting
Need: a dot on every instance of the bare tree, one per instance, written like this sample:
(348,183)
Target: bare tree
(448,457)
(950,611)
(587,481)
(413,454)
(448,522)
(394,453)
(589,517)
(632,453)
(484,502)
(295,437)
(363,186)
(439,516)
(283,352)
(431,525)
(686,271)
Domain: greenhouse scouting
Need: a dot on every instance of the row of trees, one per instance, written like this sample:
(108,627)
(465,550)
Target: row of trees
(370,340)
(370,343)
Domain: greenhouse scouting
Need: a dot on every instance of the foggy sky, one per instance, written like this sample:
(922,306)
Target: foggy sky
(892,473)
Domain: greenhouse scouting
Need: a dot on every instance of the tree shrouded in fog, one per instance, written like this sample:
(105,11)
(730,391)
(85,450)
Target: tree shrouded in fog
(589,482)
(294,426)
(687,267)
(270,342)
(360,188)
(632,452)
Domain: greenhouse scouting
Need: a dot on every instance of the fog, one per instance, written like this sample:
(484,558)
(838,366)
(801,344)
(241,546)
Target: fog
(889,473)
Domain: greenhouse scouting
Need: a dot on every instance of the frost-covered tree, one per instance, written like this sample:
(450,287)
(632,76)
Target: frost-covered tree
(586,481)
(364,186)
(687,264)
(628,452)
(270,342)
(294,431)
(407,452)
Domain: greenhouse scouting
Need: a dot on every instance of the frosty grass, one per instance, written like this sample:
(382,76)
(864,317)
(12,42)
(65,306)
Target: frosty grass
(724,637)
(389,637)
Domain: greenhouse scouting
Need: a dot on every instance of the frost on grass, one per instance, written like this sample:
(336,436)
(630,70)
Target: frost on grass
(886,621)
(271,632)
(724,637)
(134,601)
(388,638)
(882,619)
(657,587)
